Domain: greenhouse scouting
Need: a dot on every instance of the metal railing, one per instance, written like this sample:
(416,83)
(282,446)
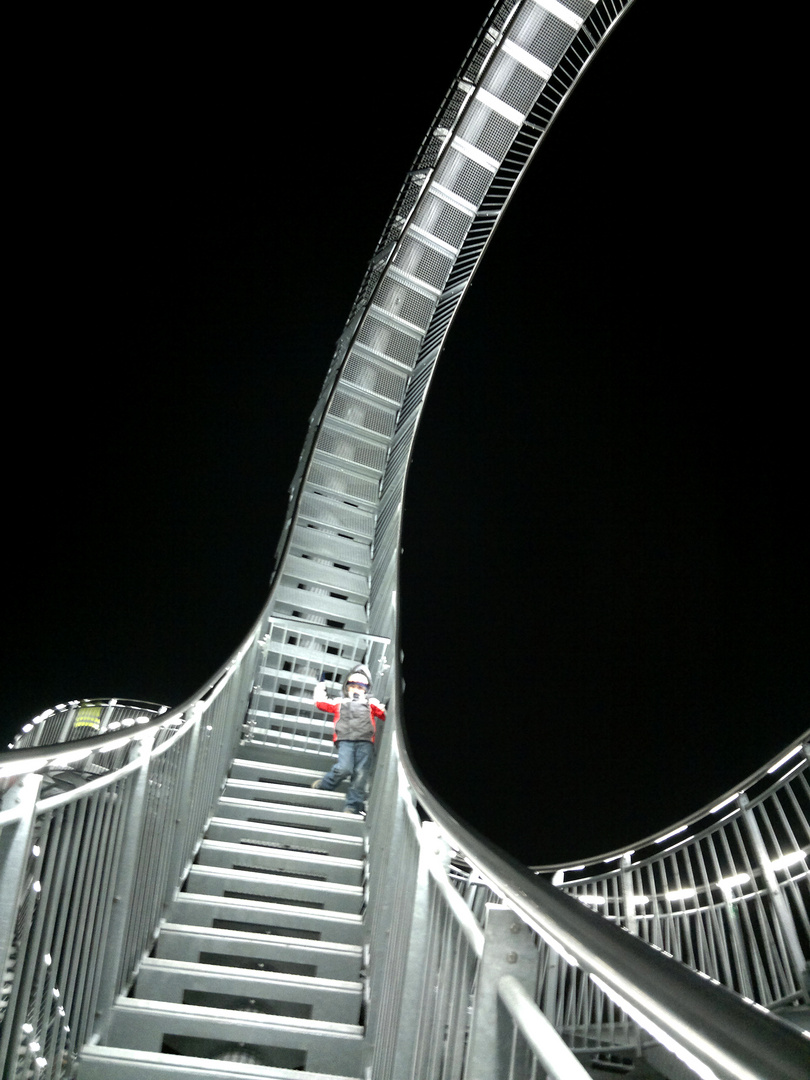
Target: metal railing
(81,719)
(86,873)
(497,953)
(727,890)
(465,947)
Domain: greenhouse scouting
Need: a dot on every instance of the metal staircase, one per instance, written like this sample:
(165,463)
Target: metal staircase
(177,901)
(257,970)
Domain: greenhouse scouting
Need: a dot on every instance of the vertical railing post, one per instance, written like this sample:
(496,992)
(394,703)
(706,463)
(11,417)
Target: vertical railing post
(126,876)
(628,894)
(780,906)
(414,976)
(551,985)
(180,853)
(509,949)
(16,840)
(396,918)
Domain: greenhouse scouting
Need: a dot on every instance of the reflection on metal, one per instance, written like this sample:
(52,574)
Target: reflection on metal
(187,904)
(725,892)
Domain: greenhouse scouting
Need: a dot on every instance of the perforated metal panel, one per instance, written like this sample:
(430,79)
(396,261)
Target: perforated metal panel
(542,34)
(388,341)
(421,261)
(375,377)
(343,444)
(340,516)
(512,82)
(333,478)
(406,303)
(463,176)
(487,130)
(447,223)
(582,8)
(362,413)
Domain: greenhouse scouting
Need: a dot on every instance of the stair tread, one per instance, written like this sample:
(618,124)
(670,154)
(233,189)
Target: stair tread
(335,888)
(156,1066)
(301,835)
(269,977)
(263,1021)
(217,933)
(337,822)
(303,857)
(225,902)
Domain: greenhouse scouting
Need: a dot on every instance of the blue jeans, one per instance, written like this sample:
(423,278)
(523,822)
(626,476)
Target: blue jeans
(353,761)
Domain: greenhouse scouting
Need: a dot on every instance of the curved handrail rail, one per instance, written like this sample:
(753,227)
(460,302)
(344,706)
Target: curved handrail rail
(704,817)
(714,1031)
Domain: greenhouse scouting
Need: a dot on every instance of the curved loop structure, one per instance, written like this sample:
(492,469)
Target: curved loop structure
(194,906)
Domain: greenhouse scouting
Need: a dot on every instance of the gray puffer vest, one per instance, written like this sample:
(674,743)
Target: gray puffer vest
(354,723)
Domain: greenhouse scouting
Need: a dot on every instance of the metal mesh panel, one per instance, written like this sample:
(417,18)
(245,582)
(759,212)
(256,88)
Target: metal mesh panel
(406,303)
(351,448)
(374,377)
(487,130)
(442,220)
(421,261)
(339,514)
(362,413)
(541,33)
(387,340)
(514,84)
(583,8)
(463,176)
(335,479)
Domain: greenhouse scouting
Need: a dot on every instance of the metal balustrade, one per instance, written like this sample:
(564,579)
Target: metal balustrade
(81,719)
(726,891)
(176,900)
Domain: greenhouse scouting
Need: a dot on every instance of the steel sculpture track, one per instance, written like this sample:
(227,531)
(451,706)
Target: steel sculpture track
(207,878)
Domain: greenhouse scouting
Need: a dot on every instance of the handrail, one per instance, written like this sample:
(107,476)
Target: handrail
(538,1032)
(32,759)
(708,1027)
(703,817)
(713,1030)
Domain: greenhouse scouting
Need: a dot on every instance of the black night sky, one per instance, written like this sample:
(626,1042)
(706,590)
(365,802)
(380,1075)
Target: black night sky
(605,581)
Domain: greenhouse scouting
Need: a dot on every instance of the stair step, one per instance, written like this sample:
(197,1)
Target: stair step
(354,586)
(265,809)
(247,769)
(276,888)
(141,1024)
(319,752)
(341,549)
(286,920)
(271,952)
(297,603)
(270,859)
(317,998)
(287,793)
(251,751)
(274,836)
(115,1063)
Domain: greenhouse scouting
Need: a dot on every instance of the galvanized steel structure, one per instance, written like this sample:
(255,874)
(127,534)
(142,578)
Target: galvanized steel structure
(177,901)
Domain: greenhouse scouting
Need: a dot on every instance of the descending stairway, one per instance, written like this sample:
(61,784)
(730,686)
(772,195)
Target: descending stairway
(257,971)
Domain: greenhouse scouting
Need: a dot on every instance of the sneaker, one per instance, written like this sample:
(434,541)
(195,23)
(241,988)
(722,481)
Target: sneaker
(315,784)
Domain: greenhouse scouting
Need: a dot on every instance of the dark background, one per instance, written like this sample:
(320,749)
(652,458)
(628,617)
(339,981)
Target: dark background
(605,581)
